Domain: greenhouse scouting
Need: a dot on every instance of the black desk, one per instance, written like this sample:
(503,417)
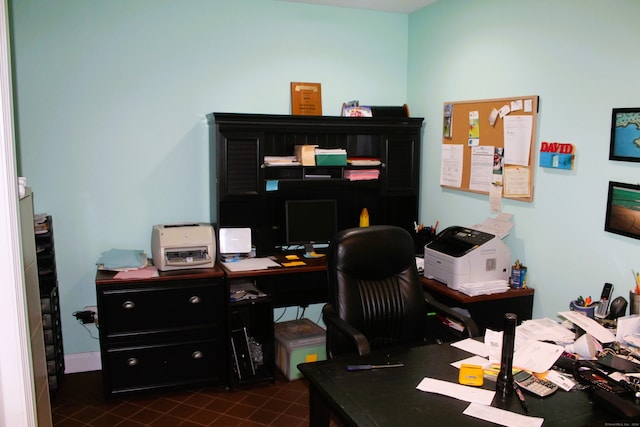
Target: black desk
(289,286)
(388,397)
(486,310)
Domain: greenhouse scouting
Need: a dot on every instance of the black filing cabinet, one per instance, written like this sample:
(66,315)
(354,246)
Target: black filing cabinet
(164,332)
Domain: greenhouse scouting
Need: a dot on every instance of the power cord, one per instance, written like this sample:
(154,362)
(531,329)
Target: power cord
(84,317)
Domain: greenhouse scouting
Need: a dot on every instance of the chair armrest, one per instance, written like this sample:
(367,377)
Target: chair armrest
(330,317)
(469,324)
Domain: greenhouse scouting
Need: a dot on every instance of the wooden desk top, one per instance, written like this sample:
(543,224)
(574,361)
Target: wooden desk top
(310,265)
(442,289)
(104,277)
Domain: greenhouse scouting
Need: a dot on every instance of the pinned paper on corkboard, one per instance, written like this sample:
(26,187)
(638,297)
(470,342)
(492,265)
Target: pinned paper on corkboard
(306,99)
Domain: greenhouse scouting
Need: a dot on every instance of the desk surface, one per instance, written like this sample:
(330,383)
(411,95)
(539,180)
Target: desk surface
(388,397)
(441,288)
(310,265)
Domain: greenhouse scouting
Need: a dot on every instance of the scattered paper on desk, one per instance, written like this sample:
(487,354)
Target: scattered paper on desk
(472,346)
(251,264)
(589,325)
(627,327)
(545,329)
(536,356)
(138,273)
(473,360)
(501,417)
(457,391)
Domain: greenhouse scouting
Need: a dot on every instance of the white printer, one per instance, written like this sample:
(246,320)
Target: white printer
(463,255)
(182,246)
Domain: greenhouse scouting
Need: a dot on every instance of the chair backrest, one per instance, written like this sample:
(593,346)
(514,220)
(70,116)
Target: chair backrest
(375,287)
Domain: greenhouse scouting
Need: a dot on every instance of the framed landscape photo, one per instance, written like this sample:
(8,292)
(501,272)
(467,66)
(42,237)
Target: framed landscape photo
(625,135)
(623,209)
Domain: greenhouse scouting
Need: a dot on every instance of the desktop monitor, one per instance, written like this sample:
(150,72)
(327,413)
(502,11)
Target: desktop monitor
(311,223)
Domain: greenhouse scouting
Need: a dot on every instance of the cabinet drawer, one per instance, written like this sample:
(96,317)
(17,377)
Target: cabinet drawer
(147,367)
(142,309)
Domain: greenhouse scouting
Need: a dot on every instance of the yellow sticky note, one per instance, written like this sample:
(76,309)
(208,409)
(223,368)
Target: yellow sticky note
(311,358)
(292,264)
(290,257)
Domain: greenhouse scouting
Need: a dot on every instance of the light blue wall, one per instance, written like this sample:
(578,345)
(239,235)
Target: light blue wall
(581,58)
(111,98)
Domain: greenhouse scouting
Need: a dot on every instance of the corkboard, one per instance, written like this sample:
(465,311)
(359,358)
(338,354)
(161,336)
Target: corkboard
(517,178)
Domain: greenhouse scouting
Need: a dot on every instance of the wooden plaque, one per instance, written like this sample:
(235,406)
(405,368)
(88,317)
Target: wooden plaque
(306,99)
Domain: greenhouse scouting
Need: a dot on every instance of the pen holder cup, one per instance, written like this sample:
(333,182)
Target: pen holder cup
(587,311)
(518,277)
(421,239)
(634,303)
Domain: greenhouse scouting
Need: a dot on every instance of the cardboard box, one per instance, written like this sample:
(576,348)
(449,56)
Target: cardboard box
(306,154)
(298,341)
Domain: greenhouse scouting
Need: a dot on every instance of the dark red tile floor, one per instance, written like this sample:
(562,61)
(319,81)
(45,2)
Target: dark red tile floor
(79,402)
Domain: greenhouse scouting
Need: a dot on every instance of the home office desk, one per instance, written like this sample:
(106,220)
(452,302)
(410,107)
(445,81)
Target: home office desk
(486,310)
(388,397)
(300,285)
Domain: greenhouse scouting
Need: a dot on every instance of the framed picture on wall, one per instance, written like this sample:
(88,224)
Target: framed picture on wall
(625,135)
(623,209)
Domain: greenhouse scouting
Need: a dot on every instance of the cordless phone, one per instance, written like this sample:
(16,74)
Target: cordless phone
(605,298)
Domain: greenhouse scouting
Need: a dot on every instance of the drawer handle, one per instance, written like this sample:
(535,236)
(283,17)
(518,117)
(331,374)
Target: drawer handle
(195,299)
(197,355)
(128,305)
(132,361)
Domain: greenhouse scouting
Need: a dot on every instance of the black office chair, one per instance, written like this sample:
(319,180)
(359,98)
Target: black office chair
(375,296)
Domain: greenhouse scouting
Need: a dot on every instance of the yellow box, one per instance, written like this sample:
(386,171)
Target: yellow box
(471,375)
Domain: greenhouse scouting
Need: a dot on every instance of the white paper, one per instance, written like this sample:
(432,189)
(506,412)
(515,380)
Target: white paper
(560,380)
(481,168)
(536,356)
(472,346)
(499,226)
(501,417)
(457,391)
(517,139)
(473,360)
(451,165)
(516,181)
(251,264)
(626,326)
(589,325)
(516,105)
(528,105)
(545,329)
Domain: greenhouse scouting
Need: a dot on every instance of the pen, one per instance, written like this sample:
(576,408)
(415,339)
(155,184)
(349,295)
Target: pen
(369,367)
(523,403)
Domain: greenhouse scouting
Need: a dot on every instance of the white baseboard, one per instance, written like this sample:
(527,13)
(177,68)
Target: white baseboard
(82,362)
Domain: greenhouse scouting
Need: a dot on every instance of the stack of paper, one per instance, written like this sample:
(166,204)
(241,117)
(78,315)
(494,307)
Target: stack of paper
(281,161)
(363,161)
(545,329)
(361,174)
(122,259)
(484,288)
